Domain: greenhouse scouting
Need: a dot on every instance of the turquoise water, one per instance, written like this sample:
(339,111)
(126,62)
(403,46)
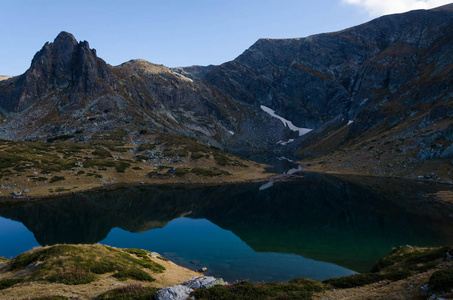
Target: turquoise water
(317,227)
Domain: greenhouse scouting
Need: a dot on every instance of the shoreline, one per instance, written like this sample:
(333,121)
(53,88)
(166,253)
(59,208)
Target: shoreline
(271,177)
(113,186)
(406,272)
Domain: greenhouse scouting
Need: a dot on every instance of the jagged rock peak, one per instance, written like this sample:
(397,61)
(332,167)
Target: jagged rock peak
(63,64)
(65,37)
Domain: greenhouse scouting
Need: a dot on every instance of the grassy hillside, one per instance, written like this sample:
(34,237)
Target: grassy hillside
(58,166)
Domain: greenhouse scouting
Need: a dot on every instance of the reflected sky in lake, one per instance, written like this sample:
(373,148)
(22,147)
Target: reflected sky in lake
(223,253)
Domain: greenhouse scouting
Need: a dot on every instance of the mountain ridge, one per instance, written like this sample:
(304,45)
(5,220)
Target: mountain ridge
(380,74)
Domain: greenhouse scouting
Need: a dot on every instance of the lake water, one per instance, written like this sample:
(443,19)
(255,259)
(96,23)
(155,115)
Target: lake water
(317,227)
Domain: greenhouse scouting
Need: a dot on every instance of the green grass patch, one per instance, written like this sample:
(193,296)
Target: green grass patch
(442,280)
(9,282)
(73,264)
(141,157)
(403,262)
(56,179)
(146,146)
(208,172)
(355,280)
(198,155)
(72,277)
(120,166)
(181,171)
(133,273)
(138,252)
(64,137)
(223,160)
(102,153)
(300,288)
(40,254)
(49,298)
(145,263)
(406,258)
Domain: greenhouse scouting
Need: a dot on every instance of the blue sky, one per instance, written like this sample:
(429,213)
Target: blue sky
(175,32)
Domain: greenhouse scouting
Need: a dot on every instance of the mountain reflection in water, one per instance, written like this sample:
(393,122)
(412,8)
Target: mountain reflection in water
(349,223)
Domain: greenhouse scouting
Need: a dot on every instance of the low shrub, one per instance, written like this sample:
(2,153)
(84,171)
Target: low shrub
(42,254)
(9,282)
(56,178)
(354,280)
(48,298)
(73,277)
(208,172)
(133,273)
(299,288)
(133,291)
(101,152)
(442,280)
(138,252)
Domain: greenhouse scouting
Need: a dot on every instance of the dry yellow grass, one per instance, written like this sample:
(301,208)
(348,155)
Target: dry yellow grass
(4,77)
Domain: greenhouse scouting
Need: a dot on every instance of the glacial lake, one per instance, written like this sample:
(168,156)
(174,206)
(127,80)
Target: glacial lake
(317,226)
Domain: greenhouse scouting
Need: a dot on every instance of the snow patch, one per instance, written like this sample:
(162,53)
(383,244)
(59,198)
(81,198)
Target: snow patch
(287,123)
(266,186)
(292,171)
(231,132)
(350,122)
(283,143)
(284,158)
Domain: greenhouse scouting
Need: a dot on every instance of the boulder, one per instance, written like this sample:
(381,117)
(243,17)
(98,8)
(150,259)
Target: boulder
(431,176)
(448,152)
(154,254)
(176,292)
(204,282)
(429,153)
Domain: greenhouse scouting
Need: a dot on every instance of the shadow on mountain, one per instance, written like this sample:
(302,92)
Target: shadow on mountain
(350,222)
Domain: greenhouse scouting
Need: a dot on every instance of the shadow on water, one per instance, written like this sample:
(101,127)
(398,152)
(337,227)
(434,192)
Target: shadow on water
(351,223)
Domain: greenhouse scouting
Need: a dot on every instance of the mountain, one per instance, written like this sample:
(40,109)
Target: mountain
(388,80)
(69,90)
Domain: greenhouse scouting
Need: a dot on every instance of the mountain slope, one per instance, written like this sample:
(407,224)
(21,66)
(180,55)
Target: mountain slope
(313,80)
(393,72)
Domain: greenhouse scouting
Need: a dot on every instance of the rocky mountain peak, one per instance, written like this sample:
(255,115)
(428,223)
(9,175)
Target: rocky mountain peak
(63,64)
(58,62)
(65,38)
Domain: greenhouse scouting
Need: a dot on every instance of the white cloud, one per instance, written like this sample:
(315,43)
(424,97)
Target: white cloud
(383,7)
